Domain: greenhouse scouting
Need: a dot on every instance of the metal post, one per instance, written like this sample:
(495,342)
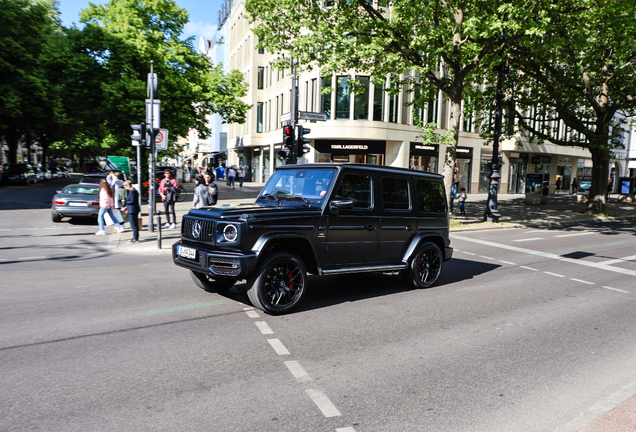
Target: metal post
(152,162)
(293,117)
(158,232)
(492,214)
(139,174)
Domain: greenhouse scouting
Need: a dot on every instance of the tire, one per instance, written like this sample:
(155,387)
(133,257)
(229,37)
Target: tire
(278,284)
(210,284)
(181,194)
(56,218)
(425,266)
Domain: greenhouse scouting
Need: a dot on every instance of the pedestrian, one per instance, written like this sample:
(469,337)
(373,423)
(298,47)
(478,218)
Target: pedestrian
(115,182)
(231,175)
(203,193)
(132,209)
(575,186)
(213,190)
(453,195)
(168,191)
(241,175)
(558,184)
(462,200)
(105,206)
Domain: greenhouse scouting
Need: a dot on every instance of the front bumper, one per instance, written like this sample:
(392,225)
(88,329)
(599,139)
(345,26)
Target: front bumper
(215,263)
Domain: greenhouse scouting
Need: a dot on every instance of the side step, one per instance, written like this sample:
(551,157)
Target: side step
(364,269)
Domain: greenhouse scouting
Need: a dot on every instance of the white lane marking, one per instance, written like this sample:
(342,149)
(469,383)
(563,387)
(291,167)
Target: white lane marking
(5,229)
(346,429)
(323,403)
(535,231)
(582,281)
(507,262)
(252,314)
(553,274)
(52,228)
(619,260)
(31,258)
(469,253)
(615,289)
(529,268)
(572,235)
(278,346)
(549,255)
(27,229)
(297,370)
(487,257)
(263,327)
(529,239)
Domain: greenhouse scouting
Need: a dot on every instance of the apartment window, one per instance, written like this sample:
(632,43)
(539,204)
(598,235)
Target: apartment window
(378,102)
(259,117)
(361,100)
(394,104)
(432,111)
(329,3)
(325,98)
(261,50)
(343,98)
(313,93)
(261,78)
(383,3)
(307,96)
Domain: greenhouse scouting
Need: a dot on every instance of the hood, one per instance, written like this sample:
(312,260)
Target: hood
(254,211)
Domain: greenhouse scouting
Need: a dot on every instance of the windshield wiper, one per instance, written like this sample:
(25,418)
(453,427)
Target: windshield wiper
(270,197)
(299,198)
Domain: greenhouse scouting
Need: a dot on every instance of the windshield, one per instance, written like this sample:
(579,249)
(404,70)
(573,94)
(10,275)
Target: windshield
(308,183)
(84,190)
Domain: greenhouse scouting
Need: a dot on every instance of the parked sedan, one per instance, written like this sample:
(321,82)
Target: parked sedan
(19,173)
(77,200)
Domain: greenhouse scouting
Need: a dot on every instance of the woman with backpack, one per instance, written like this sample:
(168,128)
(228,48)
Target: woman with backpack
(168,191)
(204,193)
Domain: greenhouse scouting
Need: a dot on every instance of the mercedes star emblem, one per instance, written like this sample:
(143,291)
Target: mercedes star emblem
(196,230)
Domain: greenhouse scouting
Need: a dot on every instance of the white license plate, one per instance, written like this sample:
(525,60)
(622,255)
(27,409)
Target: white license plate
(78,204)
(187,252)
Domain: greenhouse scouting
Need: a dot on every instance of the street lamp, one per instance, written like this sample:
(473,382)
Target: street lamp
(492,214)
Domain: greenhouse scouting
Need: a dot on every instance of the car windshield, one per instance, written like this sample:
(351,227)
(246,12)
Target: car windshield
(81,190)
(295,184)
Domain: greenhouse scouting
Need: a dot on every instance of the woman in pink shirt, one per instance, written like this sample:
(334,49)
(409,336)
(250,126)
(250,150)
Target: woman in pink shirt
(105,206)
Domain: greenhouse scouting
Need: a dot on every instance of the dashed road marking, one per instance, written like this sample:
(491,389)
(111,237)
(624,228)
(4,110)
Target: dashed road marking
(487,257)
(297,370)
(553,274)
(615,289)
(263,327)
(278,346)
(507,262)
(31,258)
(582,281)
(469,253)
(252,314)
(528,268)
(577,234)
(346,429)
(324,404)
(529,239)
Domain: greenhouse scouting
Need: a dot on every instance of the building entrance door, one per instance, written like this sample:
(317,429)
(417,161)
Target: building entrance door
(516,184)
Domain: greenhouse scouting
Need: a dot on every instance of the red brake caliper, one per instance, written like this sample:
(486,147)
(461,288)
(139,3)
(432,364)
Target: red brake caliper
(290,278)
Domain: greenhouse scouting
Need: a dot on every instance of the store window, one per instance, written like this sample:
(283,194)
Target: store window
(563,177)
(484,169)
(424,157)
(361,100)
(343,98)
(463,167)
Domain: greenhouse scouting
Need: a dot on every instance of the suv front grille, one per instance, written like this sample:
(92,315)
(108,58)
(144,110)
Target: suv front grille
(207,230)
(225,266)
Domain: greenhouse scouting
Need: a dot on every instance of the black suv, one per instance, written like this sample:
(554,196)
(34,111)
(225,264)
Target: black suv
(322,219)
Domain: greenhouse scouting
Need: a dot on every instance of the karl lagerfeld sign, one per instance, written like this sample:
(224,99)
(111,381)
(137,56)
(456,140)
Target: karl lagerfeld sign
(350,147)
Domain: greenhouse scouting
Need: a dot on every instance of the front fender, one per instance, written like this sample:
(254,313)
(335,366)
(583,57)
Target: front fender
(261,245)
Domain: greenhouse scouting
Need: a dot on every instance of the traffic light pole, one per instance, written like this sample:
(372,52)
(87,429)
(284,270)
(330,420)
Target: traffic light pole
(293,110)
(153,158)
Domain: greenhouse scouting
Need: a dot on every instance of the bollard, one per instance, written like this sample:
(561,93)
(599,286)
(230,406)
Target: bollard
(158,232)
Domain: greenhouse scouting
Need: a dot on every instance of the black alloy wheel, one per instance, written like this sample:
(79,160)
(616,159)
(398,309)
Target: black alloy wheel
(211,284)
(425,266)
(278,284)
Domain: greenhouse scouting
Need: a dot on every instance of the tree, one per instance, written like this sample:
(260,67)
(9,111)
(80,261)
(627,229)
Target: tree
(436,45)
(123,36)
(575,85)
(26,100)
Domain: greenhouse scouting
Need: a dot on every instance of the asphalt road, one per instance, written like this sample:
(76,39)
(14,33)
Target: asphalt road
(526,330)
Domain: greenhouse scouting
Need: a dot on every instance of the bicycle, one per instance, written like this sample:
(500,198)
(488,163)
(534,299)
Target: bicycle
(182,194)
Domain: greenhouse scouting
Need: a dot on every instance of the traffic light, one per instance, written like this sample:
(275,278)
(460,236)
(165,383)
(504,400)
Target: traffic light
(288,137)
(301,149)
(139,134)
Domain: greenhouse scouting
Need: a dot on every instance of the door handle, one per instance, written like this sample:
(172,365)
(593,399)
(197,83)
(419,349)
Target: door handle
(409,228)
(369,227)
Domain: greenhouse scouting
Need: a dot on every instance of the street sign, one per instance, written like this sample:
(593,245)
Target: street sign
(152,86)
(156,105)
(161,140)
(314,116)
(285,117)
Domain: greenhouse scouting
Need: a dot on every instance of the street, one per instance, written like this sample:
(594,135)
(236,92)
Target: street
(526,329)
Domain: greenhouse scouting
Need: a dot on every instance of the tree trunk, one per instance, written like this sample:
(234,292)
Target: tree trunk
(12,142)
(597,202)
(449,158)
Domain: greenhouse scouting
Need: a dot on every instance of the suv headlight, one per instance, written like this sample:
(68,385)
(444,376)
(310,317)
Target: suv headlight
(230,233)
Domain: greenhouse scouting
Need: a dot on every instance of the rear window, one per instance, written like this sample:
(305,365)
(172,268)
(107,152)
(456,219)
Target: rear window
(83,190)
(430,196)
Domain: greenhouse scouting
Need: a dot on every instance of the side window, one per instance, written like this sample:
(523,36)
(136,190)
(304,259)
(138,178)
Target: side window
(356,188)
(395,194)
(430,196)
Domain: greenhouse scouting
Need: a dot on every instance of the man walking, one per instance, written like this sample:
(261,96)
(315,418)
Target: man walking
(132,209)
(168,191)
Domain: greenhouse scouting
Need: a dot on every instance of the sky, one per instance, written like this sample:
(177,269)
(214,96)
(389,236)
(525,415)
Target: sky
(203,15)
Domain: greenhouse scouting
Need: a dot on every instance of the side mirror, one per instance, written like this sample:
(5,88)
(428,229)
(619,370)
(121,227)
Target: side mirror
(340,204)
